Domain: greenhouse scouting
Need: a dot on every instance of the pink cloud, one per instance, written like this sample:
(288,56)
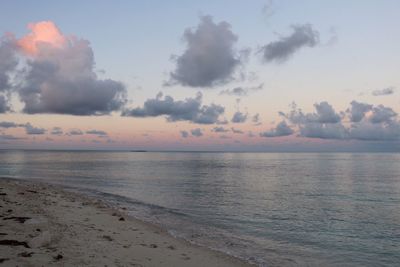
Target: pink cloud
(42,33)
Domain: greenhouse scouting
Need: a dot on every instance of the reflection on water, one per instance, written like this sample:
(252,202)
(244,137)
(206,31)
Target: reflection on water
(275,209)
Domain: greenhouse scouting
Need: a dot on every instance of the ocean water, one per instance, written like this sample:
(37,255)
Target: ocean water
(272,209)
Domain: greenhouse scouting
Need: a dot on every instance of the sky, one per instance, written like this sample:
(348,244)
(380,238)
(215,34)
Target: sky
(262,75)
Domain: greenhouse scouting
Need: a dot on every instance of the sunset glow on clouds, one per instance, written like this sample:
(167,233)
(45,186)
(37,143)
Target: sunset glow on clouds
(222,88)
(42,33)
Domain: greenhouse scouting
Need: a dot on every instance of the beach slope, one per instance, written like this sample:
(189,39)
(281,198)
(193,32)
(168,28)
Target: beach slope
(43,225)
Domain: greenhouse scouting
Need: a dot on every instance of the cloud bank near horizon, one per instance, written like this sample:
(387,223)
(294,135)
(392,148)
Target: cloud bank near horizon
(360,121)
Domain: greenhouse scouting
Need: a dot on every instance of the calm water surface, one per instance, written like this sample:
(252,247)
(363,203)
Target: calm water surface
(269,208)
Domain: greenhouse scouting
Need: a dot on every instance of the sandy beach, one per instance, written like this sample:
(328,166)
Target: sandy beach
(44,225)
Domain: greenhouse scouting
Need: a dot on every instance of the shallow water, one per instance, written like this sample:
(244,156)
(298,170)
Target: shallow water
(270,208)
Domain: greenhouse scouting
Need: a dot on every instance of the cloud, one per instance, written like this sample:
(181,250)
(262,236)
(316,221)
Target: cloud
(239,117)
(241,91)
(281,50)
(251,134)
(184,134)
(31,130)
(9,137)
(324,114)
(4,105)
(75,132)
(384,91)
(382,114)
(324,130)
(210,58)
(268,9)
(8,63)
(282,129)
(97,132)
(366,122)
(220,129)
(60,76)
(57,131)
(9,124)
(189,109)
(196,132)
(358,110)
(376,131)
(237,91)
(256,119)
(237,131)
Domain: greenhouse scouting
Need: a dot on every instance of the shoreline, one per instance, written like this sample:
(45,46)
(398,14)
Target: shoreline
(44,224)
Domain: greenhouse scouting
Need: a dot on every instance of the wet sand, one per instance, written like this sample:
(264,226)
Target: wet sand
(44,225)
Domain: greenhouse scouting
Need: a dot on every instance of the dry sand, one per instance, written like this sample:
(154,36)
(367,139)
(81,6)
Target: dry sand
(42,225)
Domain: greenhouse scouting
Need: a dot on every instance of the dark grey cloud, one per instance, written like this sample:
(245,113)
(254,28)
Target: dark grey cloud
(4,104)
(10,137)
(10,124)
(8,62)
(256,119)
(237,131)
(241,91)
(75,132)
(210,58)
(239,117)
(220,129)
(57,131)
(97,132)
(56,78)
(358,110)
(282,49)
(237,91)
(82,96)
(282,129)
(61,79)
(384,91)
(32,130)
(189,109)
(29,128)
(184,134)
(196,132)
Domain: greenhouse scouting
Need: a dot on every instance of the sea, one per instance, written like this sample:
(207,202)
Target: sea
(270,209)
